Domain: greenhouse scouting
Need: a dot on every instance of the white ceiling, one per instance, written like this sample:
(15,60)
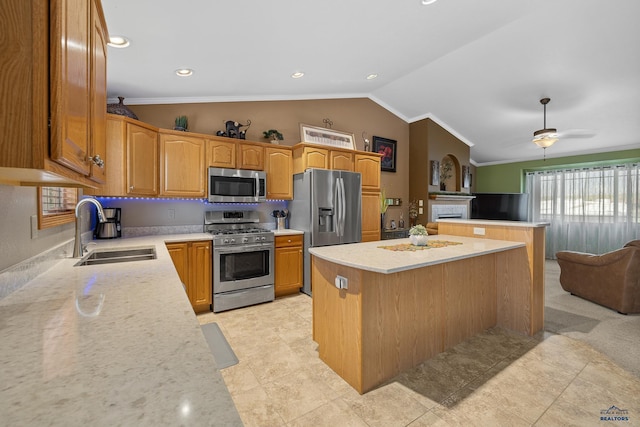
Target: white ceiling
(479,68)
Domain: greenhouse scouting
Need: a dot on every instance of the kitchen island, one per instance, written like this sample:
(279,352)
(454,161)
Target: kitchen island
(110,344)
(378,312)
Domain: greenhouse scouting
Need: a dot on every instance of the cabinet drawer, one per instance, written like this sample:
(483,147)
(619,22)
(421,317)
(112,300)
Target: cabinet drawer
(289,240)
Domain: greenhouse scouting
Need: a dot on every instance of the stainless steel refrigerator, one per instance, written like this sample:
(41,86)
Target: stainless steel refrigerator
(327,207)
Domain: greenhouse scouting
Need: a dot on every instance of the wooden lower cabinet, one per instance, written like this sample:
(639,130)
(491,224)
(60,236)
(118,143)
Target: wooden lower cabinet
(288,264)
(193,263)
(370,216)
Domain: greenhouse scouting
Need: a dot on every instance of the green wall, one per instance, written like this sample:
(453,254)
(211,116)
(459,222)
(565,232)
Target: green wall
(508,177)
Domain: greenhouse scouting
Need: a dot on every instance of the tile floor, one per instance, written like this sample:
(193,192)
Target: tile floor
(497,378)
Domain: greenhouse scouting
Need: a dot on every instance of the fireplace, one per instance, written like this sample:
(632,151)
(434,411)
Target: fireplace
(439,211)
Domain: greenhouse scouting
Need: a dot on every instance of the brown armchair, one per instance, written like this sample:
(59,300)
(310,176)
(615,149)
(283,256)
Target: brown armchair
(611,279)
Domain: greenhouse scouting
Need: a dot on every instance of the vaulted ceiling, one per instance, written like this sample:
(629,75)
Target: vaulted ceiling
(479,68)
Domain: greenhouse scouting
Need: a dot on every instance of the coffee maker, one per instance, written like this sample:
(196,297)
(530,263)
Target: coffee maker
(110,229)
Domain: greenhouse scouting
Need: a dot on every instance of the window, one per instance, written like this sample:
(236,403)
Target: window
(56,206)
(591,209)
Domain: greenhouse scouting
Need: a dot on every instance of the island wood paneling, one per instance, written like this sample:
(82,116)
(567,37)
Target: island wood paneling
(534,239)
(401,321)
(469,298)
(384,324)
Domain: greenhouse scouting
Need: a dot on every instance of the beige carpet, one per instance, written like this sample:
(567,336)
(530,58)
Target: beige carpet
(614,334)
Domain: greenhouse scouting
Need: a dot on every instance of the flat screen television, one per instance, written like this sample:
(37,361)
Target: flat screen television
(502,206)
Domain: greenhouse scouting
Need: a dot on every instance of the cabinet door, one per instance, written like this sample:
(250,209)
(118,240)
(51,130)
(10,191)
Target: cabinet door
(142,161)
(98,142)
(200,285)
(370,216)
(221,154)
(180,256)
(288,265)
(279,169)
(369,168)
(70,81)
(182,171)
(341,161)
(250,157)
(310,157)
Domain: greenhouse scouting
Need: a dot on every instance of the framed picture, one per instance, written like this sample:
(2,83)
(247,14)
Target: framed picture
(324,136)
(466,176)
(386,147)
(435,172)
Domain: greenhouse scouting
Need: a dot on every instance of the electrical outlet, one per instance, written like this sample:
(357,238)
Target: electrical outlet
(420,203)
(34,226)
(420,211)
(478,231)
(172,214)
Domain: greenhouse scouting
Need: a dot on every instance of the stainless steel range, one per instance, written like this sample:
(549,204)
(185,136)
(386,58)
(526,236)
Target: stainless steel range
(242,259)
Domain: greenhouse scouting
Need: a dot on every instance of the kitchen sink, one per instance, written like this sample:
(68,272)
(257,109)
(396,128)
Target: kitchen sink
(110,256)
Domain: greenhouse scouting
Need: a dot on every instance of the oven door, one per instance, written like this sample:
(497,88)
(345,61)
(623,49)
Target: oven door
(241,267)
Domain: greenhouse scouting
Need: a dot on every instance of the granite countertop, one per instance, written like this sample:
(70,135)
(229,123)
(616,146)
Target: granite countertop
(370,256)
(495,222)
(287,232)
(106,345)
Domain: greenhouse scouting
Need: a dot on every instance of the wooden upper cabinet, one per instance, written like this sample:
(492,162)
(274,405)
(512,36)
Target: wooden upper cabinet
(221,154)
(71,82)
(141,160)
(341,160)
(309,156)
(182,165)
(279,167)
(369,167)
(98,135)
(250,156)
(48,67)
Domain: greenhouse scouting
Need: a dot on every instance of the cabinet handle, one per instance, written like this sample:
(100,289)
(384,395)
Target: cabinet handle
(288,240)
(97,161)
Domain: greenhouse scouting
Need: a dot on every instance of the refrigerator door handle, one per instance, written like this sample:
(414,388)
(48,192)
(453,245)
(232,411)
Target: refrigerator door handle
(336,206)
(343,209)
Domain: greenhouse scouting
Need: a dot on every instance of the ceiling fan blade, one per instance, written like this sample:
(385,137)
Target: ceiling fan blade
(577,133)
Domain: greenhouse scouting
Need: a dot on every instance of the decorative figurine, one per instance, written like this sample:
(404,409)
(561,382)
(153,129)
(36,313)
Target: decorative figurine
(233,130)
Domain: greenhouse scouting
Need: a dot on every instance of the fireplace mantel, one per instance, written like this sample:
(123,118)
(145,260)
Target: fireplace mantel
(451,196)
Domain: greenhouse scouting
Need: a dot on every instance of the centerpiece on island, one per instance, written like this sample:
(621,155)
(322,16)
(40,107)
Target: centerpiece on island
(418,235)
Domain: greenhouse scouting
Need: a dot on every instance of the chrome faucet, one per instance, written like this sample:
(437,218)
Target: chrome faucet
(77,246)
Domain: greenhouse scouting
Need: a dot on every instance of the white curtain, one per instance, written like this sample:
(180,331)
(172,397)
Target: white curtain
(594,210)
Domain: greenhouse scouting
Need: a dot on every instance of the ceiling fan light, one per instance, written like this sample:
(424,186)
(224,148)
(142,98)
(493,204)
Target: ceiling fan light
(545,138)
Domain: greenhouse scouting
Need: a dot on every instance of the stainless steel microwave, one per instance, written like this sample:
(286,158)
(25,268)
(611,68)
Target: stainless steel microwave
(237,185)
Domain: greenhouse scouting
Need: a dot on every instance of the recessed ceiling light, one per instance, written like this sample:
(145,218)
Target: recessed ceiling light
(118,41)
(372,76)
(426,2)
(297,75)
(184,72)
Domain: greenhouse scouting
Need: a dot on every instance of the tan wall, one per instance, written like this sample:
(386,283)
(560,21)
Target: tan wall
(430,141)
(355,116)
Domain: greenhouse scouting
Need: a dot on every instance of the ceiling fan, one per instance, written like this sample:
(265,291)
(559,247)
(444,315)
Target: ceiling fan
(546,137)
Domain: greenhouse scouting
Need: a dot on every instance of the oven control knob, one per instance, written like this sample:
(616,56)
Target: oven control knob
(245,240)
(233,240)
(263,238)
(225,241)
